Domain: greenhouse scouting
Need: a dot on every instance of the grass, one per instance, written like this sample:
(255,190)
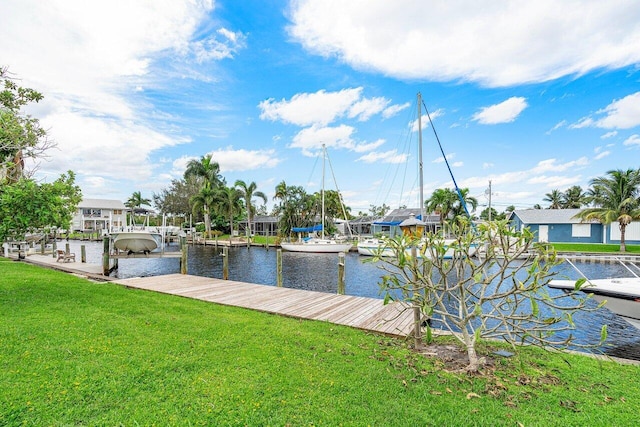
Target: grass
(595,248)
(74,352)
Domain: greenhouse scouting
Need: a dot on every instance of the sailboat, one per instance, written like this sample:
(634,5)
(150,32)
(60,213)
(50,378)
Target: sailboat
(312,244)
(380,246)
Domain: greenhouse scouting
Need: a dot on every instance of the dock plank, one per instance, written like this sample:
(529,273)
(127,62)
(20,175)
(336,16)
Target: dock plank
(359,312)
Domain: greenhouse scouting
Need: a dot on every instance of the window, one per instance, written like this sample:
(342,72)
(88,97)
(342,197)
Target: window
(580,230)
(92,212)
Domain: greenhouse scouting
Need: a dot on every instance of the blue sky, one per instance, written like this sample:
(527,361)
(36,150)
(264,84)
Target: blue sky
(532,96)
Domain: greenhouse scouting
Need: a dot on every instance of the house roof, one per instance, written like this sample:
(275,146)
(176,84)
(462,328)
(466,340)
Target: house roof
(101,204)
(548,216)
(399,215)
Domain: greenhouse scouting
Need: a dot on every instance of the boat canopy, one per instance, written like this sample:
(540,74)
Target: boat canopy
(317,227)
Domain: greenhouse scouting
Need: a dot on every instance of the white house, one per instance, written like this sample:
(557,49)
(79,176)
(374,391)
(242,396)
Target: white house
(99,214)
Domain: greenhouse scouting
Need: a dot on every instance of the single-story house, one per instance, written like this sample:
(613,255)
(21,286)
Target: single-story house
(390,224)
(95,215)
(561,225)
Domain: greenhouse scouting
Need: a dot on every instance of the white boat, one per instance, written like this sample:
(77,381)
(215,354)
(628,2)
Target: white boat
(317,245)
(313,244)
(622,294)
(138,241)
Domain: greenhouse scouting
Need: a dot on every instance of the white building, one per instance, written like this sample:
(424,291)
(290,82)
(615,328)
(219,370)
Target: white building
(99,214)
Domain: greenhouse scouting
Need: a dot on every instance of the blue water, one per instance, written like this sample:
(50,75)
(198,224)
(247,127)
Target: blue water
(319,272)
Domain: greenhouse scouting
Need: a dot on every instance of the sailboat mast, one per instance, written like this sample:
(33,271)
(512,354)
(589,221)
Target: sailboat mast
(420,157)
(324,156)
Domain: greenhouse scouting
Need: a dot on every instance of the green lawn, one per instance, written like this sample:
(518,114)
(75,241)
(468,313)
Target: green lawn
(595,248)
(74,352)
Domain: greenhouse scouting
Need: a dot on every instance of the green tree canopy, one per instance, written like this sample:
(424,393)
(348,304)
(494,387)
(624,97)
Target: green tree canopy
(26,206)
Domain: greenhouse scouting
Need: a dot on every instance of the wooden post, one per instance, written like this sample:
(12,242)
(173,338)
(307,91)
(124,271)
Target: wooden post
(279,267)
(417,317)
(54,247)
(42,244)
(225,263)
(183,257)
(341,287)
(83,253)
(105,255)
(66,248)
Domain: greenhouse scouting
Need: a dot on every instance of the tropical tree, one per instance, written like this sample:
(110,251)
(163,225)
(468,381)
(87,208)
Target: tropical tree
(554,198)
(573,198)
(615,199)
(379,211)
(463,199)
(21,135)
(137,201)
(201,202)
(296,208)
(207,172)
(228,201)
(441,203)
(247,193)
(502,296)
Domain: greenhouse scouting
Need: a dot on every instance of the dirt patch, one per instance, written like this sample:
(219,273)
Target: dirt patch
(451,357)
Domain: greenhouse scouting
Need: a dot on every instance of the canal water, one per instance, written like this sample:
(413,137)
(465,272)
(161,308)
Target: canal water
(319,272)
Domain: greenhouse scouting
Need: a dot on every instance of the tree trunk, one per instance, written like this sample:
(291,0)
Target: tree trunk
(623,245)
(207,222)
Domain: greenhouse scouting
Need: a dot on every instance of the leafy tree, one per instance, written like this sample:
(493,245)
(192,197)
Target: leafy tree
(461,200)
(494,214)
(615,199)
(295,209)
(175,199)
(21,135)
(228,202)
(379,211)
(201,203)
(248,192)
(501,296)
(26,206)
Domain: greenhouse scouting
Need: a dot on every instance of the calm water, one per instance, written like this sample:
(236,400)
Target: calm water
(319,272)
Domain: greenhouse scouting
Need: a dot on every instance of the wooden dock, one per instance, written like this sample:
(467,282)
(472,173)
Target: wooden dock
(359,312)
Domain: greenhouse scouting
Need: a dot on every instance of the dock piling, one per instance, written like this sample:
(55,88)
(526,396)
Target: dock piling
(341,275)
(225,263)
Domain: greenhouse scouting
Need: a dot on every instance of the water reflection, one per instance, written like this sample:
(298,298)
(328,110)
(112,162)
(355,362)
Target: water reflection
(319,272)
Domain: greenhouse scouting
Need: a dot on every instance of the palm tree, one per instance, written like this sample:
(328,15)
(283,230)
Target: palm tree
(248,192)
(441,202)
(573,198)
(463,199)
(616,200)
(554,198)
(228,202)
(208,172)
(202,201)
(135,202)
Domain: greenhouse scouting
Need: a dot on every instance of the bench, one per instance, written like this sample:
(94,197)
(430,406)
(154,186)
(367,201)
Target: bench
(65,257)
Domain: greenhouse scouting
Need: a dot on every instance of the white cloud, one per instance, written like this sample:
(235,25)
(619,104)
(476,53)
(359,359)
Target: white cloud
(504,112)
(304,109)
(441,159)
(487,165)
(557,126)
(394,109)
(232,160)
(620,114)
(323,108)
(391,156)
(312,138)
(601,155)
(528,40)
(225,44)
(609,134)
(632,140)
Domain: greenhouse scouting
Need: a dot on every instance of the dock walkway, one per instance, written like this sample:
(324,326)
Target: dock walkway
(359,312)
